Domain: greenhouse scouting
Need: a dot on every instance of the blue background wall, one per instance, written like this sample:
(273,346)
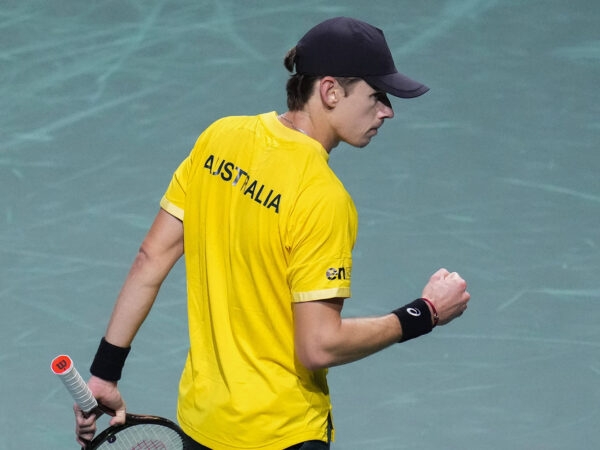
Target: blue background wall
(494,174)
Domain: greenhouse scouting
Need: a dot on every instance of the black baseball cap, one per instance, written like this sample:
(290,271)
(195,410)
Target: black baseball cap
(346,47)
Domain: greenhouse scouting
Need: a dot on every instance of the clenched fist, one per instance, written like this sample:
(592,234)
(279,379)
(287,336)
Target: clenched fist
(448,293)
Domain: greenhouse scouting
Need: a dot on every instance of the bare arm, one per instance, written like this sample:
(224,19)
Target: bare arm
(324,339)
(160,250)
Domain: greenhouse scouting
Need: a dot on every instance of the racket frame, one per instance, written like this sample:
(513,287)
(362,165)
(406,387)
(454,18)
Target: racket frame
(132,420)
(64,368)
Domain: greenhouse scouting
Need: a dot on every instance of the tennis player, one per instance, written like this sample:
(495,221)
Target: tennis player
(267,230)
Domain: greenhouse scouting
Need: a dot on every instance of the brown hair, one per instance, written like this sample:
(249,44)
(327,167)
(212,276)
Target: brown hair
(300,87)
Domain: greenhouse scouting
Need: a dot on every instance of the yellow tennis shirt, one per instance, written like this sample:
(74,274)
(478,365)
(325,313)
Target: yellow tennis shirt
(266,223)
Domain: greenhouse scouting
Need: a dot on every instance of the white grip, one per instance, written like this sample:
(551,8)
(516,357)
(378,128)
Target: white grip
(63,366)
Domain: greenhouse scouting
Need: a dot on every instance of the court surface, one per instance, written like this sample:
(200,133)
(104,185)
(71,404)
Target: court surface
(494,173)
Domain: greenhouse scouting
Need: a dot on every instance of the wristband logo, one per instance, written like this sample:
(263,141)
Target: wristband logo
(413,311)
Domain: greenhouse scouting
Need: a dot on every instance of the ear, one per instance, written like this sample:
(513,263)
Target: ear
(329,90)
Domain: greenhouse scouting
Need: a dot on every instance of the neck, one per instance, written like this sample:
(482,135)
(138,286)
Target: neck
(308,124)
(289,122)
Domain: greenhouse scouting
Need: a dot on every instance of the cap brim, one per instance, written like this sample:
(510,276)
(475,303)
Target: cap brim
(397,85)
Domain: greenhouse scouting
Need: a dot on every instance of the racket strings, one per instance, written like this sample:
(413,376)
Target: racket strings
(143,437)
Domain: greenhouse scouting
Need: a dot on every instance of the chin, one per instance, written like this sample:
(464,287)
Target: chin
(359,142)
(363,143)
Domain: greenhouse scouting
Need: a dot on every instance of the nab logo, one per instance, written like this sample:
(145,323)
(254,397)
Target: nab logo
(342,273)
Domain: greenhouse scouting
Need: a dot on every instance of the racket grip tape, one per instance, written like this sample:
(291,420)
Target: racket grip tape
(63,366)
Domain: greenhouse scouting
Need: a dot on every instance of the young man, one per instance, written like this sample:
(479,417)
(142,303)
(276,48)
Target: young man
(267,231)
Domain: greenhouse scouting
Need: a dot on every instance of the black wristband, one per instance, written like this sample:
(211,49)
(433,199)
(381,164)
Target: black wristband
(415,319)
(109,361)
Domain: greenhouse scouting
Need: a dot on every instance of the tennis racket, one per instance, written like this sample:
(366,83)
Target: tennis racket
(139,432)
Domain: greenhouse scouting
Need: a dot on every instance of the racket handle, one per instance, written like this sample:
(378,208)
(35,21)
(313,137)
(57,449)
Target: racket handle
(63,366)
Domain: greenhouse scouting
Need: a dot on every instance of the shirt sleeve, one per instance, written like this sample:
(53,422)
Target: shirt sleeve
(173,201)
(322,235)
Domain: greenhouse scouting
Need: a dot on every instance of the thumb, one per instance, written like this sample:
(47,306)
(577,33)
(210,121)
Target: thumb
(119,417)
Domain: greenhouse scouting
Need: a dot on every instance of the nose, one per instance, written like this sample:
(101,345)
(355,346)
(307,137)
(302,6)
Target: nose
(386,111)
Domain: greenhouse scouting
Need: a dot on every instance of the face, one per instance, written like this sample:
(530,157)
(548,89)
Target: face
(360,113)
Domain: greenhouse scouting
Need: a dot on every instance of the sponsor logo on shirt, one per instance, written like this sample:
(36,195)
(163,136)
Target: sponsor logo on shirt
(252,188)
(340,273)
